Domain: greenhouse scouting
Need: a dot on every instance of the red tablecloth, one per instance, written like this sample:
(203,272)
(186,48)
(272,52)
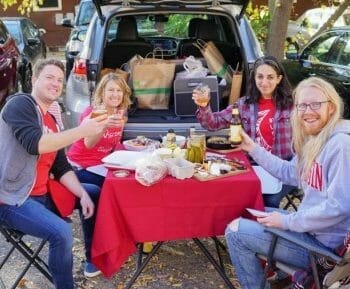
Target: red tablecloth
(129,212)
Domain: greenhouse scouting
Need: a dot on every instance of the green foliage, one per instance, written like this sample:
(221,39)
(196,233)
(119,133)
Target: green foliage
(24,6)
(178,25)
(260,19)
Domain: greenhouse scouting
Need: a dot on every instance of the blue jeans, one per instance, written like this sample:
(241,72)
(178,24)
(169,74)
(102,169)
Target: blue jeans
(273,200)
(85,176)
(250,239)
(37,217)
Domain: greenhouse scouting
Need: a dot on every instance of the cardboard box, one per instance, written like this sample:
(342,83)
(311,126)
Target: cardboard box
(184,105)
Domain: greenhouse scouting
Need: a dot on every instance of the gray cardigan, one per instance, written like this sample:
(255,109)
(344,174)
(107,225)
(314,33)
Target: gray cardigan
(17,166)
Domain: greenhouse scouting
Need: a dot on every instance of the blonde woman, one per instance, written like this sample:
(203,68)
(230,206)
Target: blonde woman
(112,92)
(320,167)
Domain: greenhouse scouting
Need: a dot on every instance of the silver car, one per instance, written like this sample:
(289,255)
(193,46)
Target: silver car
(167,28)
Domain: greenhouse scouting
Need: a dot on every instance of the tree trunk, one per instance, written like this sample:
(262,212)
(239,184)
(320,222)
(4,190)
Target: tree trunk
(329,23)
(278,28)
(271,4)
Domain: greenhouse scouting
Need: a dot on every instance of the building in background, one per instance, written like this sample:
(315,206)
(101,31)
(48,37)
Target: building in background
(49,17)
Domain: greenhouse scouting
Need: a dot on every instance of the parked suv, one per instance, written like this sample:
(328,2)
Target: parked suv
(160,26)
(326,55)
(9,55)
(84,12)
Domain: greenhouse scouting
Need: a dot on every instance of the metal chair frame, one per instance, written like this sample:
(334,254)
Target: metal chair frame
(314,252)
(32,255)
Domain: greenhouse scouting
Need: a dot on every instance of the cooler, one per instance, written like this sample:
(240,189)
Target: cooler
(184,105)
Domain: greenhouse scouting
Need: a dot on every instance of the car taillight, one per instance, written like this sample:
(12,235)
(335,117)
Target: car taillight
(79,68)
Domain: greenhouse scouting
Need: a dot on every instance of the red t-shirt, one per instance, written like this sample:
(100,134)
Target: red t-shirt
(46,160)
(85,157)
(264,124)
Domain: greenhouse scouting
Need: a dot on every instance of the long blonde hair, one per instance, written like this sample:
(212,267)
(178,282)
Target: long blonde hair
(98,95)
(306,147)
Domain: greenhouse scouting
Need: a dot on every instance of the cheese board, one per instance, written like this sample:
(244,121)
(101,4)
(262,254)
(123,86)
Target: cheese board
(219,170)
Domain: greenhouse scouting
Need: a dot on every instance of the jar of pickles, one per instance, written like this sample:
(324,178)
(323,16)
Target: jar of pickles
(196,148)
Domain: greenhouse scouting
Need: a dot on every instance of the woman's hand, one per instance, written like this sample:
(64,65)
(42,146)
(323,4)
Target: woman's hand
(273,220)
(247,143)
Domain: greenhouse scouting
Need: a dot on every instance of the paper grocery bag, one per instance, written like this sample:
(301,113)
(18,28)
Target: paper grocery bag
(152,82)
(121,73)
(236,86)
(215,61)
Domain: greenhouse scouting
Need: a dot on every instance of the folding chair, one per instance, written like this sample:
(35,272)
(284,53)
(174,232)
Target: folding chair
(336,267)
(293,199)
(15,238)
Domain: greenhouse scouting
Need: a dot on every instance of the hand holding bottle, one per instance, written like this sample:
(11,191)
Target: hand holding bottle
(247,143)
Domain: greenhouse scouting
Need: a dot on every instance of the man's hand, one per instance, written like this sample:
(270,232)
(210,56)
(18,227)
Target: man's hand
(93,126)
(247,143)
(87,206)
(273,220)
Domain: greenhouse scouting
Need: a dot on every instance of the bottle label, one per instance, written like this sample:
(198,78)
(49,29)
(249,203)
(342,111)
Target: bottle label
(235,134)
(235,111)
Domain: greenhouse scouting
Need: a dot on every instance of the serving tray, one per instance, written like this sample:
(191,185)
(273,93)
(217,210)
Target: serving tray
(236,169)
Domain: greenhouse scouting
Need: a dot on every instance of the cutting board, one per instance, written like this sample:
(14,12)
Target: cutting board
(204,178)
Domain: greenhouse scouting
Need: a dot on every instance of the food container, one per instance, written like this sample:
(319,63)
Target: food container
(163,153)
(180,168)
(180,141)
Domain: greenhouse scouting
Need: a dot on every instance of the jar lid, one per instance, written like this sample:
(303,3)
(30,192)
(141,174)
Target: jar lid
(121,173)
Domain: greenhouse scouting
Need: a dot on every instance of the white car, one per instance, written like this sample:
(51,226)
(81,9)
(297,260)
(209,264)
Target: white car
(302,29)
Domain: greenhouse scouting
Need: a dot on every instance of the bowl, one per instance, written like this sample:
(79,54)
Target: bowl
(164,153)
(180,140)
(140,145)
(218,143)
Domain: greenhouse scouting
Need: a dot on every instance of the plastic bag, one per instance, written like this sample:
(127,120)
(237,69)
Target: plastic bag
(193,69)
(150,170)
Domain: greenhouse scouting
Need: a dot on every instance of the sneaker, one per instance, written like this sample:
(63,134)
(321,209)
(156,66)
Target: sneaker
(90,270)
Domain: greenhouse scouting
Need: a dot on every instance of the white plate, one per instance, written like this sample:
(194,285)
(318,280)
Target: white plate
(130,146)
(123,159)
(257,213)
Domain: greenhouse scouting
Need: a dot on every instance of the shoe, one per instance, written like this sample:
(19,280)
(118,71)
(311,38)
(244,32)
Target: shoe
(147,247)
(90,270)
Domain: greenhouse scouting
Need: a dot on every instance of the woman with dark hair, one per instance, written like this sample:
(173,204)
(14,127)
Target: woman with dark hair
(265,113)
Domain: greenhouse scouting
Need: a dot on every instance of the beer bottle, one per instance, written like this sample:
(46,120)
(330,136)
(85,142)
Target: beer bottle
(235,127)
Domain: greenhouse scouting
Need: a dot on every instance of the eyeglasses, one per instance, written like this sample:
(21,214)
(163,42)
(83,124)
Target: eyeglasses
(313,105)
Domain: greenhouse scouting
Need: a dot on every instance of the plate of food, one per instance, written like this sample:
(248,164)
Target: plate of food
(219,143)
(140,143)
(123,159)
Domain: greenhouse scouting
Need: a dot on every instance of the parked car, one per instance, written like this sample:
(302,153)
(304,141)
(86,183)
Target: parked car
(158,28)
(326,55)
(29,39)
(9,55)
(306,25)
(84,13)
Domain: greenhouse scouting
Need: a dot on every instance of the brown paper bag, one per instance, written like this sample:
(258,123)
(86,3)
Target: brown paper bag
(121,73)
(152,82)
(236,86)
(215,61)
